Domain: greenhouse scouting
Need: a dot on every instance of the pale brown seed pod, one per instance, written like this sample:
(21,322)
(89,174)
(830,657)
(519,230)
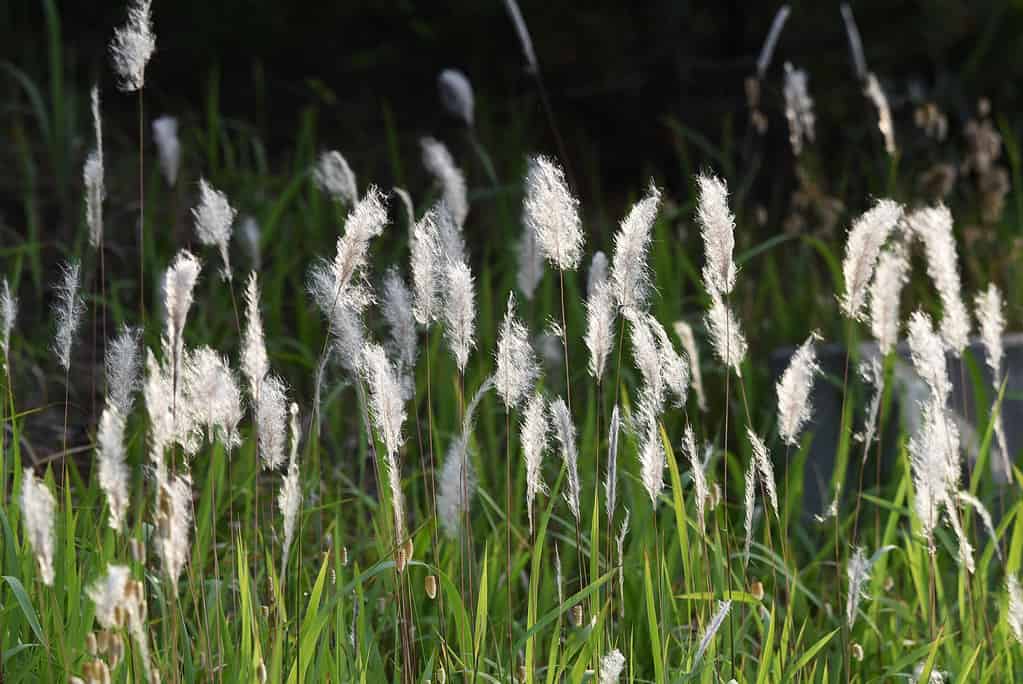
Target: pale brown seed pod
(757,590)
(344,556)
(431,586)
(261,672)
(102,641)
(857,652)
(408,548)
(90,643)
(265,610)
(333,577)
(400,560)
(577,615)
(442,676)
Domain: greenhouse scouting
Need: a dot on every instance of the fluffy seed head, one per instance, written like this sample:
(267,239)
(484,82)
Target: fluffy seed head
(531,262)
(611,483)
(598,273)
(67,312)
(858,572)
(210,396)
(178,285)
(990,311)
(565,432)
(933,227)
(726,337)
(335,177)
(600,318)
(254,362)
(173,521)
(927,351)
(630,275)
(459,312)
(611,666)
(168,147)
(401,344)
(271,414)
(749,502)
(517,367)
(289,500)
(456,96)
(534,444)
(108,595)
(685,335)
(37,508)
(798,108)
(765,469)
(427,271)
(386,406)
(891,274)
(439,163)
(123,367)
(712,629)
(651,461)
(92,178)
(133,45)
(8,314)
(1015,612)
(457,480)
(872,89)
(552,213)
(114,476)
(863,244)
(213,220)
(717,227)
(794,408)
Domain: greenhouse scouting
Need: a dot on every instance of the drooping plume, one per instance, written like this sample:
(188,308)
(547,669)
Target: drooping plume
(872,373)
(685,335)
(765,469)
(794,408)
(517,367)
(335,177)
(123,367)
(630,275)
(726,337)
(271,414)
(133,45)
(37,508)
(290,498)
(456,96)
(717,227)
(254,362)
(927,350)
(173,521)
(873,91)
(767,50)
(439,163)
(168,147)
(623,530)
(712,629)
(114,475)
(749,502)
(565,432)
(427,269)
(92,178)
(67,312)
(933,227)
(552,213)
(890,276)
(534,443)
(459,312)
(798,108)
(600,318)
(989,309)
(214,218)
(401,323)
(863,244)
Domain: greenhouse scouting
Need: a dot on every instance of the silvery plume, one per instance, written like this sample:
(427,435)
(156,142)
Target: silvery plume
(211,396)
(517,368)
(599,338)
(67,312)
(401,324)
(249,236)
(335,177)
(92,178)
(254,362)
(798,108)
(120,602)
(534,443)
(525,41)
(114,476)
(927,351)
(717,227)
(933,227)
(450,237)
(674,369)
(630,275)
(611,666)
(749,504)
(123,368)
(647,361)
(166,424)
(875,93)
(456,95)
(173,520)
(37,508)
(858,572)
(872,373)
(8,314)
(863,244)
(564,430)
(531,260)
(406,201)
(457,484)
(623,530)
(271,416)
(652,460)
(178,287)
(168,147)
(767,49)
(685,335)
(611,481)
(552,213)
(598,273)
(459,312)
(712,629)
(132,46)
(1014,614)
(890,276)
(439,163)
(702,491)
(289,500)
(388,413)
(726,336)
(989,309)
(213,220)
(427,274)
(794,407)
(765,469)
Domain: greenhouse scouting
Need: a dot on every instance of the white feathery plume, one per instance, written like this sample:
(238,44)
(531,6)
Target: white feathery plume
(599,338)
(459,311)
(173,521)
(290,498)
(160,408)
(712,628)
(685,335)
(764,467)
(611,483)
(386,406)
(794,407)
(598,273)
(611,666)
(254,362)
(863,244)
(558,577)
(749,501)
(651,461)
(108,593)
(873,374)
(450,237)
(717,227)
(927,350)
(534,443)
(552,213)
(426,267)
(965,497)
(37,508)
(168,147)
(1015,608)
(647,360)
(726,337)
(406,201)
(133,45)
(213,220)
(401,345)
(858,572)
(623,530)
(122,369)
(335,177)
(178,286)
(798,108)
(767,51)
(565,432)
(890,275)
(933,227)
(630,275)
(523,33)
(873,91)
(210,396)
(67,312)
(457,480)
(456,95)
(674,369)
(8,314)
(271,415)
(92,177)
(439,163)
(531,261)
(699,476)
(341,283)
(349,334)
(990,312)
(517,367)
(114,475)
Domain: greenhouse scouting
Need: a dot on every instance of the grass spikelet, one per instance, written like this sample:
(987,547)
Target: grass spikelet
(717,228)
(933,227)
(534,443)
(565,432)
(863,245)
(890,276)
(517,368)
(37,509)
(133,45)
(552,213)
(67,312)
(123,367)
(630,275)
(214,218)
(794,407)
